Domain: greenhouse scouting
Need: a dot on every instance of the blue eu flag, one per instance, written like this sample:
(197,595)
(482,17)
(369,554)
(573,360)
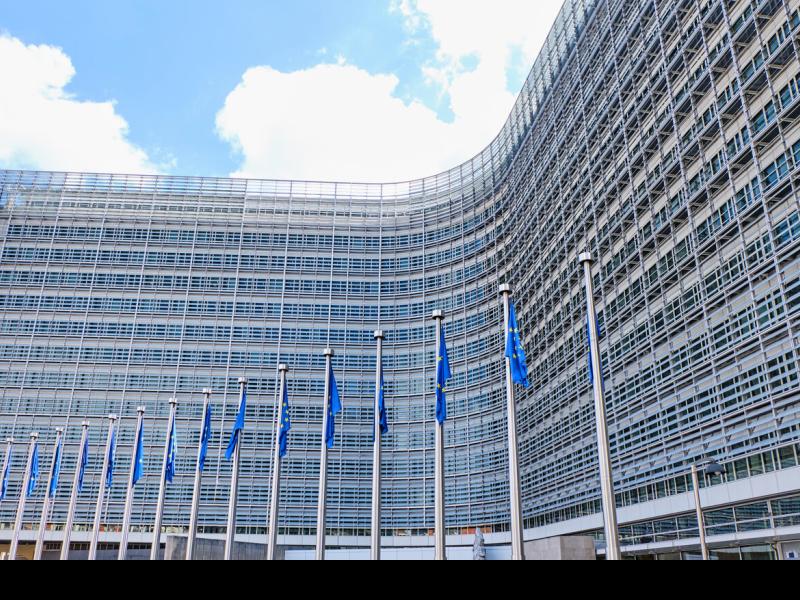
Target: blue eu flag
(56,469)
(589,341)
(112,457)
(514,350)
(82,464)
(6,473)
(334,408)
(138,467)
(238,427)
(382,413)
(172,454)
(205,438)
(443,375)
(286,422)
(34,474)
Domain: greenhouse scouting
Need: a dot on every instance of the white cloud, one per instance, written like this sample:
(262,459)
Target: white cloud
(43,127)
(338,122)
(331,122)
(493,34)
(467,27)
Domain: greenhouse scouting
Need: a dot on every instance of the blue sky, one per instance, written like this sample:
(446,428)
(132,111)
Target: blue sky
(367,90)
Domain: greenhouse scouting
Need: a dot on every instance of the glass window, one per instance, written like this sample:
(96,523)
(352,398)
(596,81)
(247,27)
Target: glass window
(787,457)
(758,553)
(756,465)
(787,512)
(719,522)
(726,554)
(753,517)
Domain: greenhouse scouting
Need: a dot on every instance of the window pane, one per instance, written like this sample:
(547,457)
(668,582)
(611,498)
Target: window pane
(758,553)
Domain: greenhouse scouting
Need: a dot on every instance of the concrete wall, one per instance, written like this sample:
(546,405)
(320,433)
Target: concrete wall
(561,548)
(567,548)
(211,549)
(397,554)
(790,550)
(25,552)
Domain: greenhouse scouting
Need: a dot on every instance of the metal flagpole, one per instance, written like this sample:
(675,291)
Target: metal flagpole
(48,500)
(73,499)
(7,459)
(98,513)
(162,491)
(230,535)
(198,480)
(276,471)
(517,542)
(376,456)
(441,534)
(604,454)
(23,496)
(126,518)
(323,460)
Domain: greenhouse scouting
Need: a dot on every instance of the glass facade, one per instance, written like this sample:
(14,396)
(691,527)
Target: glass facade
(661,135)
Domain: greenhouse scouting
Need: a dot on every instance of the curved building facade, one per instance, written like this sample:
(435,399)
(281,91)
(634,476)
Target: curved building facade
(662,136)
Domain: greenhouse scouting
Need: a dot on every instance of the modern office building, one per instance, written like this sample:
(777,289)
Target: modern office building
(663,136)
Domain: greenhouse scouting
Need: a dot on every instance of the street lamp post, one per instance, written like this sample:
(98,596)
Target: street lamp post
(709,468)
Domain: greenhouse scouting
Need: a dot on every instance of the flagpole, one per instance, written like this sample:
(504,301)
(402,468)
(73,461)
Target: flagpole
(198,481)
(7,459)
(276,471)
(162,491)
(73,499)
(323,460)
(126,518)
(441,534)
(23,496)
(604,454)
(98,513)
(517,542)
(376,457)
(230,534)
(48,500)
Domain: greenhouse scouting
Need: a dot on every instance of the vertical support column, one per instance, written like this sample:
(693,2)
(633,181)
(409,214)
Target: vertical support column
(126,519)
(604,453)
(276,471)
(198,481)
(323,459)
(101,492)
(73,500)
(230,535)
(162,490)
(23,496)
(48,500)
(440,529)
(517,542)
(375,547)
